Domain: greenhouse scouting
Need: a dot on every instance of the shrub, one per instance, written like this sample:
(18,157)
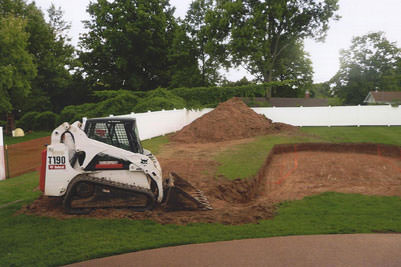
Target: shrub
(46,121)
(158,103)
(256,101)
(335,101)
(122,103)
(28,121)
(107,94)
(200,96)
(75,113)
(114,102)
(159,99)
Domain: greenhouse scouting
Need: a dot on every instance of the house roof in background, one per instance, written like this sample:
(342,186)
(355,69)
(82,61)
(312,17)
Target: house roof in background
(297,102)
(386,96)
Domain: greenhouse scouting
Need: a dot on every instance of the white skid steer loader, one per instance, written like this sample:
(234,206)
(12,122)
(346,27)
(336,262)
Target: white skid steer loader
(105,166)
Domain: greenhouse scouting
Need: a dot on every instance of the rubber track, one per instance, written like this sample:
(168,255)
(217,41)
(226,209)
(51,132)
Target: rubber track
(104,181)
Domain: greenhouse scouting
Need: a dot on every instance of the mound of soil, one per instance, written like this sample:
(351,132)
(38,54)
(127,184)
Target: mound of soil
(231,120)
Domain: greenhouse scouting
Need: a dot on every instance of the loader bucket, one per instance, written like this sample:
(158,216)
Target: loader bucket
(181,195)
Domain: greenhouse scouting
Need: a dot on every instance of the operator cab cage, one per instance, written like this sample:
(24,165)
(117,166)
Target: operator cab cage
(118,132)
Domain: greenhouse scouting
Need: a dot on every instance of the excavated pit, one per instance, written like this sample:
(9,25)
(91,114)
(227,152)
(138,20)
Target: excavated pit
(302,170)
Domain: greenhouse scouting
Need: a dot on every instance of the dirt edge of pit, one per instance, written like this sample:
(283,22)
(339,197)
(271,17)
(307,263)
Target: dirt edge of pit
(246,190)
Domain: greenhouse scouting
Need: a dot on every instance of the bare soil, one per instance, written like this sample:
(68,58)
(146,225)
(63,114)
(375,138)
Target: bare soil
(25,157)
(290,172)
(296,175)
(231,120)
(195,163)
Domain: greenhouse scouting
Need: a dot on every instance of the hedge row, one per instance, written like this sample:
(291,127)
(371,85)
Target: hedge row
(124,102)
(44,121)
(211,96)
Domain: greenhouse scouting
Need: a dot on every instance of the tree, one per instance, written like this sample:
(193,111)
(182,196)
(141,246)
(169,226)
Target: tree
(371,63)
(60,63)
(295,66)
(241,82)
(127,44)
(183,62)
(51,52)
(201,35)
(258,34)
(321,90)
(16,64)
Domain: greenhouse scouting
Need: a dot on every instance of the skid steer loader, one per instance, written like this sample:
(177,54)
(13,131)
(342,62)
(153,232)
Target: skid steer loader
(105,166)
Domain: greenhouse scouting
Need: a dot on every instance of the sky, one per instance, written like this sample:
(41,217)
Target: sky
(358,17)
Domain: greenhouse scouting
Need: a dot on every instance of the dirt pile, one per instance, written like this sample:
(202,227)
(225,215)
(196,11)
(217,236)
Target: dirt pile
(231,120)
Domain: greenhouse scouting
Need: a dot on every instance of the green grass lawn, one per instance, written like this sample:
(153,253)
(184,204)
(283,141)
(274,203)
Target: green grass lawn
(365,134)
(245,160)
(154,145)
(9,140)
(39,241)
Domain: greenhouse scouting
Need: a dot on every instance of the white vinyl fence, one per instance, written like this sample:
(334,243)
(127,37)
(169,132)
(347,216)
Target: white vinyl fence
(152,124)
(335,116)
(2,163)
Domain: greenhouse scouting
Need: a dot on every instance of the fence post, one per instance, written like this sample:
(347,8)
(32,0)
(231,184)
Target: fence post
(2,163)
(84,119)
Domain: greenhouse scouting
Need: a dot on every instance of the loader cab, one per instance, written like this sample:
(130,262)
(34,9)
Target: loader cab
(118,132)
